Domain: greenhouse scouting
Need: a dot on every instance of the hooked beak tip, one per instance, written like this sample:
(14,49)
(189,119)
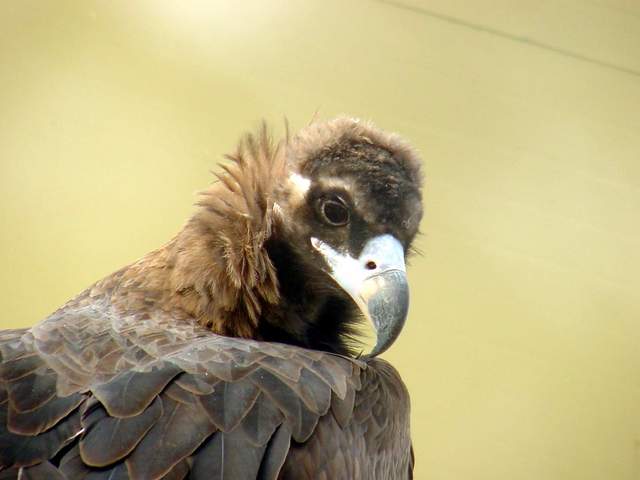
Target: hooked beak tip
(386,301)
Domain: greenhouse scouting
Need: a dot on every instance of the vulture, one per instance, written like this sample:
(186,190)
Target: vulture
(235,350)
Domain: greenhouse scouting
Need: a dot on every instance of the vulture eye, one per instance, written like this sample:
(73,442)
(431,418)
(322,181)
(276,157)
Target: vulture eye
(335,212)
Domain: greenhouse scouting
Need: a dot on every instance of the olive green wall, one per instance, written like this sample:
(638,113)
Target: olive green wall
(522,351)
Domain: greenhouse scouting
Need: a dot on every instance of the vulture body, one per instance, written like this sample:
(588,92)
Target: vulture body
(231,352)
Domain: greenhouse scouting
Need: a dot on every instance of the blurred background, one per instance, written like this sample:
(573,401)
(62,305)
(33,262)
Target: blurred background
(522,351)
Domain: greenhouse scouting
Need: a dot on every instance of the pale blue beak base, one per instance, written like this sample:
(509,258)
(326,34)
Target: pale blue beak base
(376,281)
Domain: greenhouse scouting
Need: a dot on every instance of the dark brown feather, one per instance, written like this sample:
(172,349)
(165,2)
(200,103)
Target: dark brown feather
(117,472)
(229,403)
(275,454)
(131,392)
(108,439)
(19,367)
(44,417)
(180,470)
(342,408)
(178,432)
(26,450)
(219,459)
(41,471)
(31,391)
(71,464)
(260,423)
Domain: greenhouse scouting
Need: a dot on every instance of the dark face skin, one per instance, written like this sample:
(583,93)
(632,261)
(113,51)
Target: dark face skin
(356,192)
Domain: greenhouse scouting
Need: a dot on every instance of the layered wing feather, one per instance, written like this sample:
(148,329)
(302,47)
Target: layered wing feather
(89,394)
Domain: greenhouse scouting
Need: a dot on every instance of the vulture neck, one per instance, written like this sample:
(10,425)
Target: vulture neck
(312,312)
(222,280)
(290,302)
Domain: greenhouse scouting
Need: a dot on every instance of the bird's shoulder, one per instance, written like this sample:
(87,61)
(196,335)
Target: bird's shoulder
(92,390)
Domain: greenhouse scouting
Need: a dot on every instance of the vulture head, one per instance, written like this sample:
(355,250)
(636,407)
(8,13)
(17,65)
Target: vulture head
(302,241)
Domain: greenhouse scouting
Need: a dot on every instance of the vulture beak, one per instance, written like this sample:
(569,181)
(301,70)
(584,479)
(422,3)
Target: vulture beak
(376,281)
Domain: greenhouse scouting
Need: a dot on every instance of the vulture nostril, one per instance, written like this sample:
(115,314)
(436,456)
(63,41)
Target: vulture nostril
(371,265)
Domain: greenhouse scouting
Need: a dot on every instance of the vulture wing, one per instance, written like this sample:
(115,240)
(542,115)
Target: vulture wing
(88,394)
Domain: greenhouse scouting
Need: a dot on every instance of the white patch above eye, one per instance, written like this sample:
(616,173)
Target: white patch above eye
(300,183)
(277,210)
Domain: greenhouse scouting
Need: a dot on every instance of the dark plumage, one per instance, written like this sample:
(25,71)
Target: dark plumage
(229,352)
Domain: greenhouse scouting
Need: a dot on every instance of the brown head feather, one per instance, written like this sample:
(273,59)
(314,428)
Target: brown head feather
(320,137)
(222,273)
